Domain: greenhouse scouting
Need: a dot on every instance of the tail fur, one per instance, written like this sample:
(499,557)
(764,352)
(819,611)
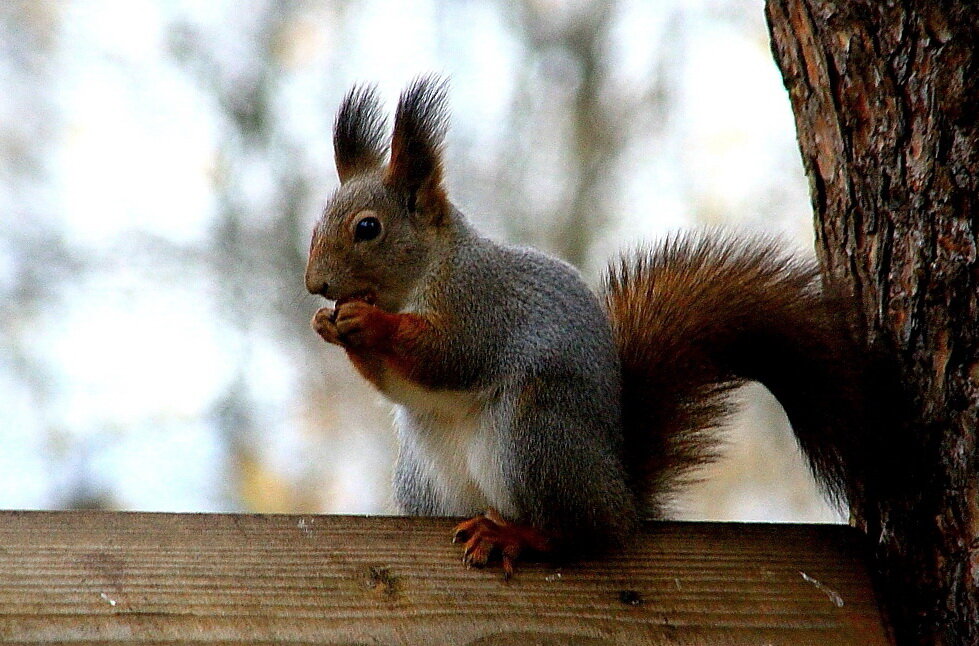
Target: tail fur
(698,315)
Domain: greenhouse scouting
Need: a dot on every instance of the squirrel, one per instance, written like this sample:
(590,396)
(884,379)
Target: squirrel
(552,417)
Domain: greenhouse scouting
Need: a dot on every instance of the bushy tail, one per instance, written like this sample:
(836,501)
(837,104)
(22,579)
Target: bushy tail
(698,315)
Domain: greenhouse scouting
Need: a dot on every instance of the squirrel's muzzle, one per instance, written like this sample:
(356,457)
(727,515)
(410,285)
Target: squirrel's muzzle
(316,286)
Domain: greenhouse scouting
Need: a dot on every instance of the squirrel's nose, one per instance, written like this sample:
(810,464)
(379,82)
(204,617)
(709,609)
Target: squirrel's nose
(316,286)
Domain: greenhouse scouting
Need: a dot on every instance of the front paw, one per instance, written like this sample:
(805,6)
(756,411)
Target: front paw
(324,324)
(361,325)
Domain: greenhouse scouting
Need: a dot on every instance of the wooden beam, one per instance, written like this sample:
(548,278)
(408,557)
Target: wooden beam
(106,578)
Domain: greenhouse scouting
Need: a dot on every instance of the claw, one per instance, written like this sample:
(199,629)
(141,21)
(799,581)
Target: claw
(489,537)
(465,530)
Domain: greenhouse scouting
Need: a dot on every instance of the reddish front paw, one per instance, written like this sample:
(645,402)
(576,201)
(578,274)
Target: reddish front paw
(324,325)
(488,537)
(361,325)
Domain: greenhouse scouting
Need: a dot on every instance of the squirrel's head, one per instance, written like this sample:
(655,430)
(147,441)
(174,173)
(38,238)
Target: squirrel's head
(378,230)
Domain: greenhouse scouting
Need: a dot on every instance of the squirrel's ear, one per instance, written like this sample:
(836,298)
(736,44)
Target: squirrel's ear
(358,133)
(416,146)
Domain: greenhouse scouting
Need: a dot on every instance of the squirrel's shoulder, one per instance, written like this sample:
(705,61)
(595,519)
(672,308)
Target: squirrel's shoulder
(505,271)
(525,302)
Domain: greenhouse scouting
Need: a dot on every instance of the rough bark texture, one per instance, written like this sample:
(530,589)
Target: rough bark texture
(886,97)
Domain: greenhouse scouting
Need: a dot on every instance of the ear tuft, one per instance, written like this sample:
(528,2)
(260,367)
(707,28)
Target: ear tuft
(358,133)
(420,123)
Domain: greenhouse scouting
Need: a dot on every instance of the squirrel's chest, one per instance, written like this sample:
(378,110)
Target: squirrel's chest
(452,440)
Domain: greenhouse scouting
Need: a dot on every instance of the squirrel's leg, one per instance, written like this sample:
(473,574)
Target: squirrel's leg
(377,340)
(488,536)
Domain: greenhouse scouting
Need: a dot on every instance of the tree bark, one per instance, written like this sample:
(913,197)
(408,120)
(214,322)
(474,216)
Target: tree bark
(886,101)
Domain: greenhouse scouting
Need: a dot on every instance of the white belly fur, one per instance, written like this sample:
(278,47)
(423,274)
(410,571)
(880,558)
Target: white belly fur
(453,437)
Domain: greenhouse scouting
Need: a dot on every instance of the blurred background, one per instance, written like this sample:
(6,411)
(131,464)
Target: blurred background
(162,164)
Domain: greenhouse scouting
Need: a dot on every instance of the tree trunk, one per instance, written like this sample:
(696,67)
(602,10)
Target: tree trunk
(886,98)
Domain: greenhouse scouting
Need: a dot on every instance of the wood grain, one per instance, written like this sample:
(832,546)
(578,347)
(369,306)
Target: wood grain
(109,578)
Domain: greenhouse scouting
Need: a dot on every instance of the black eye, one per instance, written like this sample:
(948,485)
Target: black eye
(367,229)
